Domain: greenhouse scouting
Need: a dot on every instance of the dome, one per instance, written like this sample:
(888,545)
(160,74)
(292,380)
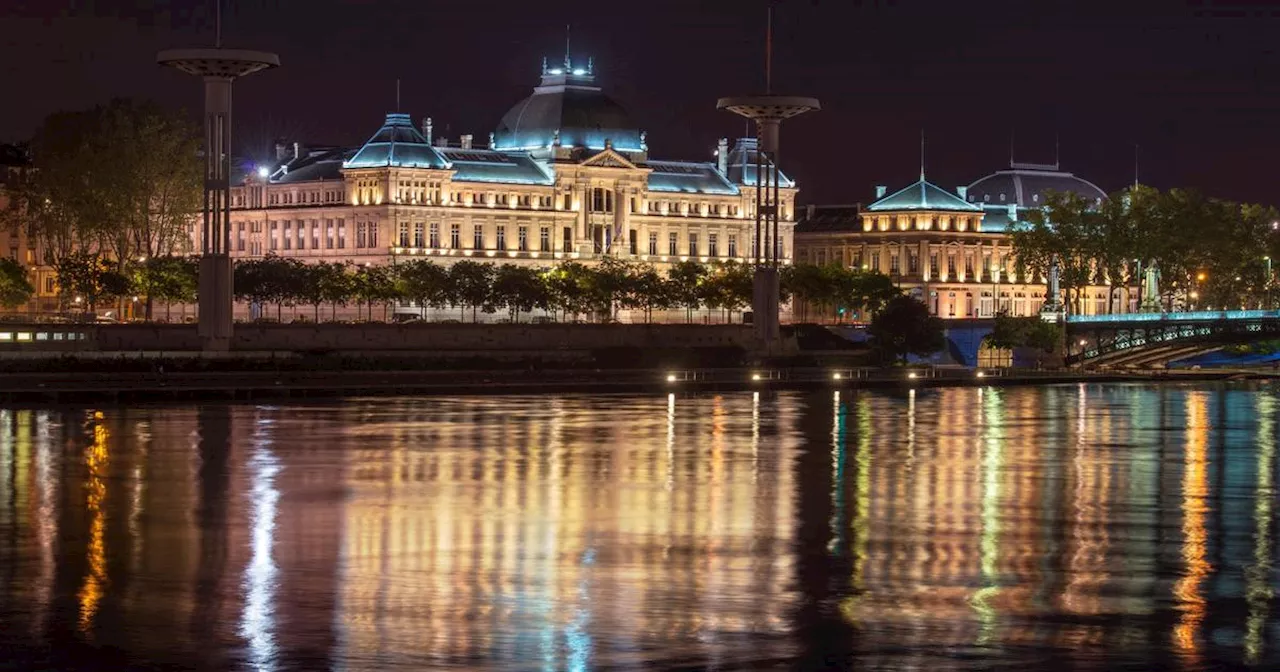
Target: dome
(1022,186)
(567,108)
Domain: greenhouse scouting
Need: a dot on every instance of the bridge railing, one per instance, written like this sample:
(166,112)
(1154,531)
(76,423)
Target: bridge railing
(1189,316)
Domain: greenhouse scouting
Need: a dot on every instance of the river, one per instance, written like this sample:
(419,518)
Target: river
(1078,526)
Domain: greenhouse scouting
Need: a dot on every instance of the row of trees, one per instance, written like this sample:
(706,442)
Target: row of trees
(570,289)
(1209,252)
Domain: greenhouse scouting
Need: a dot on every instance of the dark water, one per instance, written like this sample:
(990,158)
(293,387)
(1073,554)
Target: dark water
(1073,527)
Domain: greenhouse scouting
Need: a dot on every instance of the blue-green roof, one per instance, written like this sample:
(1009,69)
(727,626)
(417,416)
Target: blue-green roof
(742,165)
(483,165)
(399,144)
(923,195)
(688,178)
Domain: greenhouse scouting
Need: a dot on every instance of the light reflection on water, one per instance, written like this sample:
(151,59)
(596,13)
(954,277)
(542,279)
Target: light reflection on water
(1082,525)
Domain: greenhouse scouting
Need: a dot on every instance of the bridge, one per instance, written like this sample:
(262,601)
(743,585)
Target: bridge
(1142,339)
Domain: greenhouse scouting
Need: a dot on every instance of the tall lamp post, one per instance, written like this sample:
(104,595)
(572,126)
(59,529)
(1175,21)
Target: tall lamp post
(1267,286)
(218,68)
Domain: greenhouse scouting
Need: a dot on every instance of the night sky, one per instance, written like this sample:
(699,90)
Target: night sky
(1195,84)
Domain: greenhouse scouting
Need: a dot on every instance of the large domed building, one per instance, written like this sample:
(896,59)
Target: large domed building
(565,175)
(1006,195)
(950,248)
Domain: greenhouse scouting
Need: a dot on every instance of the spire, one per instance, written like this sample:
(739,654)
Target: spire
(1057,152)
(217,24)
(1135,165)
(544,66)
(922,155)
(397,94)
(768,53)
(567,65)
(1011,138)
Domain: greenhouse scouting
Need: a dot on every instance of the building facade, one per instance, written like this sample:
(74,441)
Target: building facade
(565,175)
(949,249)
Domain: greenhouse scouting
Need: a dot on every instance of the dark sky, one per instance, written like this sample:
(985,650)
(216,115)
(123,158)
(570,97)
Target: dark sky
(1196,84)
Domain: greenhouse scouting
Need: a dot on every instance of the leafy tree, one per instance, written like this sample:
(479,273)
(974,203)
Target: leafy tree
(648,291)
(170,279)
(373,284)
(336,284)
(518,288)
(569,286)
(906,327)
(15,288)
(610,285)
(1023,332)
(685,278)
(87,279)
(424,283)
(471,282)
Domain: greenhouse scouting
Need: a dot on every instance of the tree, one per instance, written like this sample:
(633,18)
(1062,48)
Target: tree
(648,291)
(906,327)
(15,288)
(89,279)
(1023,332)
(373,284)
(569,287)
(336,285)
(685,278)
(170,279)
(518,288)
(471,282)
(424,283)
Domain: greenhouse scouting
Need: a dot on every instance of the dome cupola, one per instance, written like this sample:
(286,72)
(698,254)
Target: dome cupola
(567,109)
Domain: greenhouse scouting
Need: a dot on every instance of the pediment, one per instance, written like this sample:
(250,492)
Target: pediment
(607,158)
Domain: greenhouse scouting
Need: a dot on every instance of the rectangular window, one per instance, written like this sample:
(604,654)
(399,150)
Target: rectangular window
(522,238)
(713,245)
(342,234)
(455,236)
(673,241)
(968,265)
(933,264)
(404,234)
(733,246)
(360,235)
(544,239)
(302,235)
(477,239)
(951,265)
(275,237)
(894,267)
(48,284)
(913,262)
(373,234)
(568,239)
(634,242)
(653,243)
(693,244)
(568,201)
(328,234)
(315,234)
(419,234)
(875,261)
(502,237)
(434,241)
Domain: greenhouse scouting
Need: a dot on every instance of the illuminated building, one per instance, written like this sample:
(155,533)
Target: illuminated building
(950,248)
(565,175)
(17,242)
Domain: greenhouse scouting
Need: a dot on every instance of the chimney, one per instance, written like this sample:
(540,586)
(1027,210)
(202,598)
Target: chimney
(426,129)
(280,151)
(442,141)
(466,141)
(963,192)
(881,190)
(808,211)
(297,151)
(722,156)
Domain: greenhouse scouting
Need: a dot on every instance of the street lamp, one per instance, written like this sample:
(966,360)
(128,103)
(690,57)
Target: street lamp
(1267,285)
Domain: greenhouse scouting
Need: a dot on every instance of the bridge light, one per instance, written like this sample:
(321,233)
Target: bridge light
(671,377)
(980,374)
(755,376)
(835,376)
(912,375)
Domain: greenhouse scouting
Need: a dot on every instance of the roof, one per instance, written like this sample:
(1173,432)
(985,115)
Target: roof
(742,165)
(397,143)
(688,177)
(319,164)
(923,195)
(829,219)
(484,165)
(1023,185)
(569,109)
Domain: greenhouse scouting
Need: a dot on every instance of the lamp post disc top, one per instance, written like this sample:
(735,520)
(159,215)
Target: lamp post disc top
(208,62)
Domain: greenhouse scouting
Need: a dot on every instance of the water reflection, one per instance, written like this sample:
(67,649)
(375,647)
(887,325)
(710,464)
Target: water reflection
(947,528)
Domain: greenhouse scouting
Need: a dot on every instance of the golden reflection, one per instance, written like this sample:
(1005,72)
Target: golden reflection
(992,472)
(1195,490)
(95,458)
(1258,591)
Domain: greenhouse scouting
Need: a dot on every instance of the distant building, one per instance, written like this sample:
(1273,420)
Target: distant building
(949,248)
(17,241)
(566,175)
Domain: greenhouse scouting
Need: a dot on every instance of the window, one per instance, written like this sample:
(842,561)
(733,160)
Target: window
(288,235)
(48,284)
(419,234)
(894,268)
(933,264)
(302,235)
(522,238)
(275,239)
(342,234)
(653,243)
(673,240)
(568,201)
(502,237)
(315,234)
(693,244)
(328,234)
(477,237)
(733,245)
(373,234)
(968,265)
(875,261)
(634,242)
(951,265)
(568,239)
(601,200)
(435,235)
(455,236)
(913,262)
(713,249)
(404,234)
(544,239)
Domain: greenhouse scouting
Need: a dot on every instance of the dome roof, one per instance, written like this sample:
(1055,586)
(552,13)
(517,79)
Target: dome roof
(569,109)
(1022,186)
(397,143)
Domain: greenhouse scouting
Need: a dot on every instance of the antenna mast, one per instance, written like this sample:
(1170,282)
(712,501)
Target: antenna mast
(768,53)
(217,24)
